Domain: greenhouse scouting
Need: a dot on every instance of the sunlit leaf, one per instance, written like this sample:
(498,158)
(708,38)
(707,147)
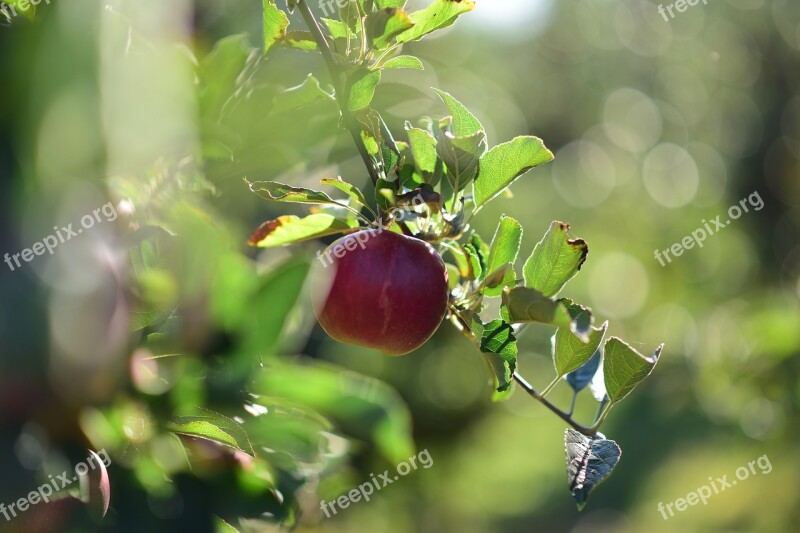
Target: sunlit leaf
(348,398)
(362,89)
(423,145)
(351,190)
(23,7)
(570,352)
(338,29)
(299,40)
(290,229)
(384,25)
(438,15)
(506,162)
(383,4)
(555,260)
(504,250)
(404,62)
(464,123)
(275,24)
(625,368)
(307,93)
(462,156)
(212,426)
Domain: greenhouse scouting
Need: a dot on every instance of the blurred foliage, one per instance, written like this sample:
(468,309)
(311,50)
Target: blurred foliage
(655,125)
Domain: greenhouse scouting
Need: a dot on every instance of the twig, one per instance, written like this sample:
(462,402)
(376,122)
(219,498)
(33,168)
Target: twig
(341,97)
(589,432)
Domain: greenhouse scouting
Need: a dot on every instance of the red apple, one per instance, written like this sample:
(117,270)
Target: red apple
(384,290)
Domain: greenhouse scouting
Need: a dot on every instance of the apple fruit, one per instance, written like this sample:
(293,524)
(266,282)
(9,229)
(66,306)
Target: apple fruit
(382,290)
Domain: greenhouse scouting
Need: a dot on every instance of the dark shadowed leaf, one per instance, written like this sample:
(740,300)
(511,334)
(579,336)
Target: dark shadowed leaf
(529,305)
(500,347)
(580,378)
(589,463)
(280,192)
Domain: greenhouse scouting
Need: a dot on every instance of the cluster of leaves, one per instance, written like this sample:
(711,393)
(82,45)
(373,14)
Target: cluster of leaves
(449,163)
(187,413)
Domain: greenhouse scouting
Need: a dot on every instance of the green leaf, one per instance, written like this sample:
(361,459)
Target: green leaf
(306,93)
(464,123)
(384,25)
(29,12)
(589,463)
(475,268)
(404,62)
(275,24)
(506,162)
(290,229)
(299,40)
(351,190)
(438,15)
(555,260)
(523,304)
(338,29)
(500,346)
(570,353)
(267,311)
(359,403)
(212,426)
(362,89)
(462,157)
(625,368)
(280,192)
(423,146)
(504,249)
(582,319)
(383,4)
(221,526)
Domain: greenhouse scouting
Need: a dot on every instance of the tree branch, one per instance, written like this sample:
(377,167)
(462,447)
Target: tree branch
(336,75)
(589,432)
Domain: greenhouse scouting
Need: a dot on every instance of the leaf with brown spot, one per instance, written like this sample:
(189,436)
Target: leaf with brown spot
(555,260)
(290,229)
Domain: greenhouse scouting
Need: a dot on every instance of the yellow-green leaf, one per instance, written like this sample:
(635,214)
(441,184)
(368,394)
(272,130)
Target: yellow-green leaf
(290,229)
(275,24)
(438,15)
(504,163)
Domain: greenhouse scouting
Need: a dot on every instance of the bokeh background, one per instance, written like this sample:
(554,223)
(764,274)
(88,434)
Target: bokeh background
(656,126)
